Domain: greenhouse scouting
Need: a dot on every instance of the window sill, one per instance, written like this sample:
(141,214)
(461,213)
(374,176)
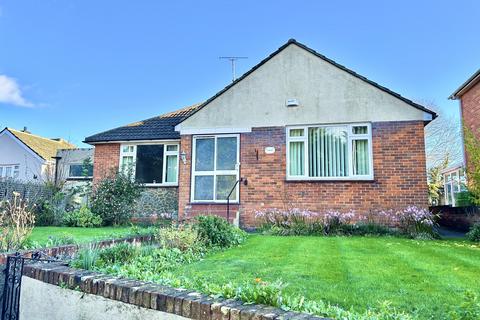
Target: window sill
(158,185)
(212,203)
(349,179)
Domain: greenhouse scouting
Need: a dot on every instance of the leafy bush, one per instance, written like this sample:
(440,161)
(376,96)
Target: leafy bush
(217,232)
(86,258)
(336,222)
(16,223)
(474,233)
(414,221)
(371,228)
(51,211)
(82,217)
(114,198)
(182,239)
(463,199)
(123,252)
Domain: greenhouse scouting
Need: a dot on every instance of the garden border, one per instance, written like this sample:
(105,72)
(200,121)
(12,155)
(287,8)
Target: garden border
(70,249)
(182,302)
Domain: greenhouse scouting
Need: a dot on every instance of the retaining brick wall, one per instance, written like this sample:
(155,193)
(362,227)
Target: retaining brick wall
(399,169)
(457,218)
(189,304)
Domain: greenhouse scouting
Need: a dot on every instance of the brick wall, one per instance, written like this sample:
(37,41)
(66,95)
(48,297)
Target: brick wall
(470,105)
(399,169)
(106,160)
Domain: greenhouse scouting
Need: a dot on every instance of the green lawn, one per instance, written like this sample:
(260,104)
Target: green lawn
(41,234)
(416,276)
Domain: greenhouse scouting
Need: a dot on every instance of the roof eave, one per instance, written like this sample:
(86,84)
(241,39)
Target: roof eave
(473,80)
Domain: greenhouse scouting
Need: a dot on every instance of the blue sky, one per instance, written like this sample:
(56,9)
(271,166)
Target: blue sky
(74,68)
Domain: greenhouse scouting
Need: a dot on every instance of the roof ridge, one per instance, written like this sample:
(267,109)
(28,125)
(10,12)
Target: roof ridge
(40,137)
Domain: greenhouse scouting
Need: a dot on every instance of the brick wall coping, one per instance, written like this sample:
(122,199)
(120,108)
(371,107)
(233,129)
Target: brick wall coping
(69,249)
(182,302)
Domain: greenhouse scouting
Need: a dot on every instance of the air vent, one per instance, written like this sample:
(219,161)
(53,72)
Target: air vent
(292,103)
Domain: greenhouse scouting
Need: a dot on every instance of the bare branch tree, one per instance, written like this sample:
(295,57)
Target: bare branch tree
(443,139)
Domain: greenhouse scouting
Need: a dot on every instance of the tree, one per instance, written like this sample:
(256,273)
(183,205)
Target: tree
(435,183)
(443,141)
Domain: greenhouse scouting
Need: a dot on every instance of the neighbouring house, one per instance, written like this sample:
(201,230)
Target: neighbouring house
(469,96)
(28,157)
(298,129)
(454,182)
(74,167)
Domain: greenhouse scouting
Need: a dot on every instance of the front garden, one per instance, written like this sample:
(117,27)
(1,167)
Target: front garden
(338,276)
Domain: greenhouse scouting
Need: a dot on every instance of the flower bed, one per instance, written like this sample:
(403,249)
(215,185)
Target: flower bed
(411,221)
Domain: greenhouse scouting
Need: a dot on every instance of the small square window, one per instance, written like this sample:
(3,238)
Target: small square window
(360,129)
(172,147)
(127,149)
(296,132)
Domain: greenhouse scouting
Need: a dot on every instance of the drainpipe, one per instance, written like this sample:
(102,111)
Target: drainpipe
(57,159)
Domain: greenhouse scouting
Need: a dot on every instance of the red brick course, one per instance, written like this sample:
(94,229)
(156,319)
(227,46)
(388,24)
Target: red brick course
(106,160)
(399,169)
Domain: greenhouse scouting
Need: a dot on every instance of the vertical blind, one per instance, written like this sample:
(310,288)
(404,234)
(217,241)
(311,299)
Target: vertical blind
(327,150)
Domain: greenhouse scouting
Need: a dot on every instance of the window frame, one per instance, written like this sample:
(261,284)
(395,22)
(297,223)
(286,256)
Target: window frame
(78,177)
(164,164)
(350,138)
(214,172)
(14,170)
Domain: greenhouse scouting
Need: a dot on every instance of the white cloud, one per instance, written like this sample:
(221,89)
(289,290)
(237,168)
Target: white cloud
(11,93)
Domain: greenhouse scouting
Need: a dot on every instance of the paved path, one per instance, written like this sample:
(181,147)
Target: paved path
(451,234)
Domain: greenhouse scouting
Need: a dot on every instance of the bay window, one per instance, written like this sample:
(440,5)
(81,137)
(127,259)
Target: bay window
(330,152)
(151,164)
(215,167)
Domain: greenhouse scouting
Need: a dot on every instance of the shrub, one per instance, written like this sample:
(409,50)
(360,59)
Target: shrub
(217,232)
(290,222)
(16,223)
(463,199)
(336,222)
(414,220)
(123,252)
(474,233)
(82,217)
(51,211)
(371,228)
(114,198)
(86,259)
(182,238)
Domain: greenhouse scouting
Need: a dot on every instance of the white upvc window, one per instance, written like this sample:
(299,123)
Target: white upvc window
(215,168)
(151,164)
(9,171)
(330,152)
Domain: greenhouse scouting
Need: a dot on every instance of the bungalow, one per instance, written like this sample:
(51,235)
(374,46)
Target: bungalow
(297,130)
(27,157)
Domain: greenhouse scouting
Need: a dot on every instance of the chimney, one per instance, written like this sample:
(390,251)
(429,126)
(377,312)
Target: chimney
(25,130)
